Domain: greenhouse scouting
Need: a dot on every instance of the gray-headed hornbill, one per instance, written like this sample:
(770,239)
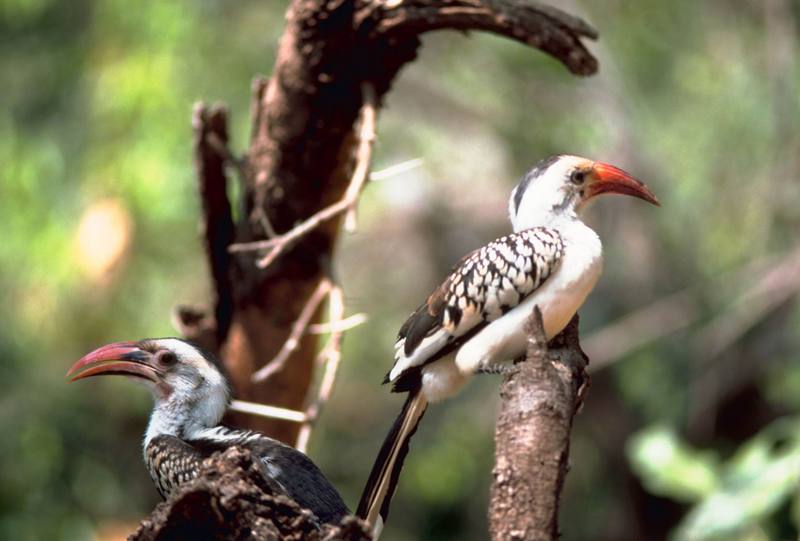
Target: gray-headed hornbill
(191,396)
(475,319)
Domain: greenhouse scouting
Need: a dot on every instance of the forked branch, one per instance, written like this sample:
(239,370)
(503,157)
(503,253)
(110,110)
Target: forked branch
(329,358)
(298,330)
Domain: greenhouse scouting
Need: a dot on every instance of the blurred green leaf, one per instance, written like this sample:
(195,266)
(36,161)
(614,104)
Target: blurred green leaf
(668,466)
(758,479)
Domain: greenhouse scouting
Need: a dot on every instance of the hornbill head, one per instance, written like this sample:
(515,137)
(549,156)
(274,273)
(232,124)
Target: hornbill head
(182,378)
(560,186)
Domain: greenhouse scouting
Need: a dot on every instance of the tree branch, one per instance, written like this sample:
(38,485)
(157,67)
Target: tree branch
(538,25)
(539,401)
(265,410)
(210,131)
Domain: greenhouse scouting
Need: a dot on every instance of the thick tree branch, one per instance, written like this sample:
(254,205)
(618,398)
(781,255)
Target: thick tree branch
(539,401)
(211,133)
(538,25)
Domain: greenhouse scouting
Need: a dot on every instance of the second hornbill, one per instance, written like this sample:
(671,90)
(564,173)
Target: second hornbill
(191,396)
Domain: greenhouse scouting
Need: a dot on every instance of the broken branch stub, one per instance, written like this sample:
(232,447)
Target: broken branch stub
(532,435)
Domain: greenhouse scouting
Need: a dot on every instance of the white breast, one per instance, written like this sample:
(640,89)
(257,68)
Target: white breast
(558,299)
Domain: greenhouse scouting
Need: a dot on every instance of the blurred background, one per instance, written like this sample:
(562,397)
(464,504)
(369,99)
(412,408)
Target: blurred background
(691,429)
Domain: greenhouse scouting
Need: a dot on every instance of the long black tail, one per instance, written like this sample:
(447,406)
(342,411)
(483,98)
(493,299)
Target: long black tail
(378,492)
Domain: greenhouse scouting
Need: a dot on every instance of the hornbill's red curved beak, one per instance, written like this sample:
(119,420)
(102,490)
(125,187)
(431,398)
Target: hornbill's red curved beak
(120,358)
(610,179)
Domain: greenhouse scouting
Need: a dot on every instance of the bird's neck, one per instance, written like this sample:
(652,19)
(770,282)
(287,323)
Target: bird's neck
(185,418)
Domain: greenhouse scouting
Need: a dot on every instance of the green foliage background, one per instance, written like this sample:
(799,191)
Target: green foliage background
(692,436)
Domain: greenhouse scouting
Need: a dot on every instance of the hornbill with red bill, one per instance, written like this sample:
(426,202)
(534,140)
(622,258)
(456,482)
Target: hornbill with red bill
(475,319)
(191,396)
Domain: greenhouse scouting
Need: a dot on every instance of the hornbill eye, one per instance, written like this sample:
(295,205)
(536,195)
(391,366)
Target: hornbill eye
(166,357)
(578,177)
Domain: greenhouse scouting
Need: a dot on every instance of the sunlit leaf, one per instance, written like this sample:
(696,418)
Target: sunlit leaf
(669,467)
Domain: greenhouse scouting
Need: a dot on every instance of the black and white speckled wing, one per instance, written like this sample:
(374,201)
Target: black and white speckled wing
(171,462)
(482,287)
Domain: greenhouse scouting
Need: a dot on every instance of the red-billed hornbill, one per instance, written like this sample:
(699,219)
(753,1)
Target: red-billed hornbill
(476,318)
(191,396)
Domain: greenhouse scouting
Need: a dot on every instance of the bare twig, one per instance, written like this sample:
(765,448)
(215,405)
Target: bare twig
(775,286)
(263,410)
(396,169)
(258,89)
(298,329)
(277,245)
(344,325)
(331,356)
(280,243)
(714,379)
(266,225)
(366,140)
(656,320)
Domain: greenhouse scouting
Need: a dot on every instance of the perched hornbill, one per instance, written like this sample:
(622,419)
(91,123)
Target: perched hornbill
(475,320)
(191,396)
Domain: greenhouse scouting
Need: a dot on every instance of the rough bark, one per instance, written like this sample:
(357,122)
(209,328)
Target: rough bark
(230,500)
(532,435)
(301,158)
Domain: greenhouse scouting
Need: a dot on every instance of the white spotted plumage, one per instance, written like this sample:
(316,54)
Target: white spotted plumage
(483,287)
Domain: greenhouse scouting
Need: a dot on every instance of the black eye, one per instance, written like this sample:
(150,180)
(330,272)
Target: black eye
(166,358)
(578,177)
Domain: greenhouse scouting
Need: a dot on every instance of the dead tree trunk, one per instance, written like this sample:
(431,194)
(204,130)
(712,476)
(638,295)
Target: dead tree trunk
(301,158)
(532,435)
